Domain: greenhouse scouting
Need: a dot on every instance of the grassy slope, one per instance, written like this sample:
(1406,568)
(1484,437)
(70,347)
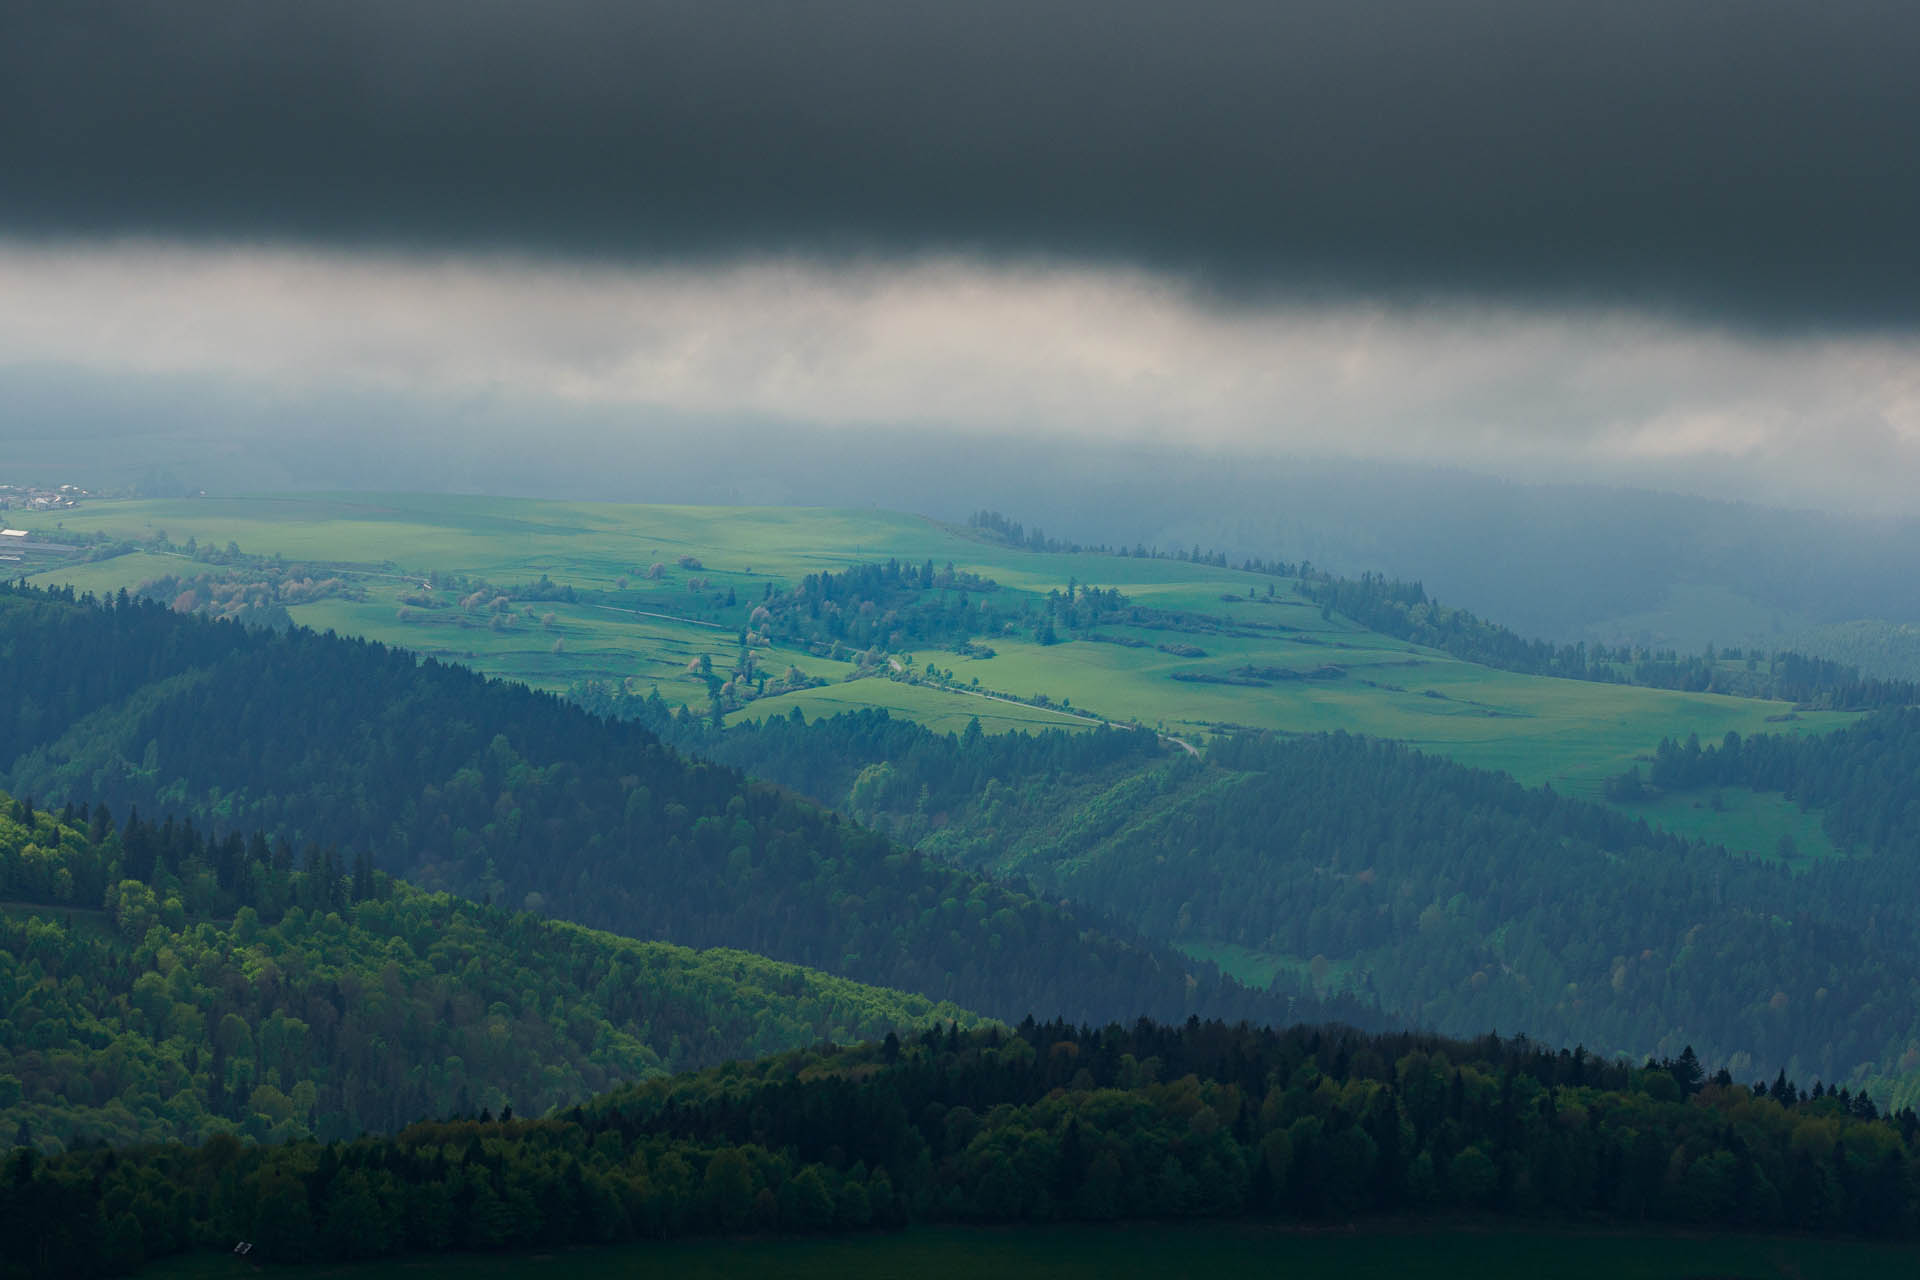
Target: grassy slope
(1747,822)
(1571,733)
(1157,1252)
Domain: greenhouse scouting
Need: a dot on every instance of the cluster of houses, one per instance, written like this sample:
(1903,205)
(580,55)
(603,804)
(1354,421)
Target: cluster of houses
(16,545)
(27,497)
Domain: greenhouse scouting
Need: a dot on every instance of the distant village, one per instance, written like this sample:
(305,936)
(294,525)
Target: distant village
(15,544)
(27,497)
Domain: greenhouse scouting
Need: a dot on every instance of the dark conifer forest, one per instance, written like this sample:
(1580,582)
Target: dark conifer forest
(1048,1123)
(521,799)
(1862,779)
(1471,900)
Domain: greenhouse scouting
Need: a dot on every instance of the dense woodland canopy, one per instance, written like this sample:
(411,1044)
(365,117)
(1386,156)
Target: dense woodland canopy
(232,988)
(1050,1123)
(522,799)
(885,606)
(909,781)
(896,605)
(1445,896)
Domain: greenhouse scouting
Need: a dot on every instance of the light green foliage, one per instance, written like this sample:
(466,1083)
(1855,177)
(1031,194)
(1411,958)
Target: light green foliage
(134,1023)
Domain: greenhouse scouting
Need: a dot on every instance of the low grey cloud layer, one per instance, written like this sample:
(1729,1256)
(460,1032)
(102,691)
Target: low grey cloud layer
(1747,161)
(979,349)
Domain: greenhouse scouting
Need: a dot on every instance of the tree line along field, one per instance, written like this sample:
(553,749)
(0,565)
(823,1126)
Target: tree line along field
(659,587)
(1152,1251)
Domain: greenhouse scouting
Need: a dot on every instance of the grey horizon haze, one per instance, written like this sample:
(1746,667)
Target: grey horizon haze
(1665,244)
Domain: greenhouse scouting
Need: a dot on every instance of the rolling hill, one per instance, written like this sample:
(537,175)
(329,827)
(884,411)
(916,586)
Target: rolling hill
(495,791)
(1049,1124)
(1453,898)
(553,593)
(225,990)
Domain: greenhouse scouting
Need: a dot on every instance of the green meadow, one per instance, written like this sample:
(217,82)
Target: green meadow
(653,614)
(1152,1252)
(1746,821)
(1259,968)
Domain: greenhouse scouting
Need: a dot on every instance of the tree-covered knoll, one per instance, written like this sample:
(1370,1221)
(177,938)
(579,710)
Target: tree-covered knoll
(896,605)
(1449,897)
(1049,1123)
(227,988)
(494,791)
(886,606)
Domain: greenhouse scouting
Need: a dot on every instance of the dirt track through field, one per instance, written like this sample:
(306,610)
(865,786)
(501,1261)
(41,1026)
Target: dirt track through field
(1181,743)
(670,617)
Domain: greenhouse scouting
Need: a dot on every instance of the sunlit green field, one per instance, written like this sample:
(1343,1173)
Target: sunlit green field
(648,630)
(1747,821)
(1153,1252)
(1259,968)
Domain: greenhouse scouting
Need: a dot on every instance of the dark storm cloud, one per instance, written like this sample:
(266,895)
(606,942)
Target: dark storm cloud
(1747,160)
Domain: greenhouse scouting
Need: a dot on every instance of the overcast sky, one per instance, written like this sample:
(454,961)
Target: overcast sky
(1665,242)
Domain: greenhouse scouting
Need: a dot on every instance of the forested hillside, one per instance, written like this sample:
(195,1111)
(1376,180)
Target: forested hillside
(1453,898)
(1890,650)
(895,775)
(1051,1123)
(227,988)
(494,791)
(1464,900)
